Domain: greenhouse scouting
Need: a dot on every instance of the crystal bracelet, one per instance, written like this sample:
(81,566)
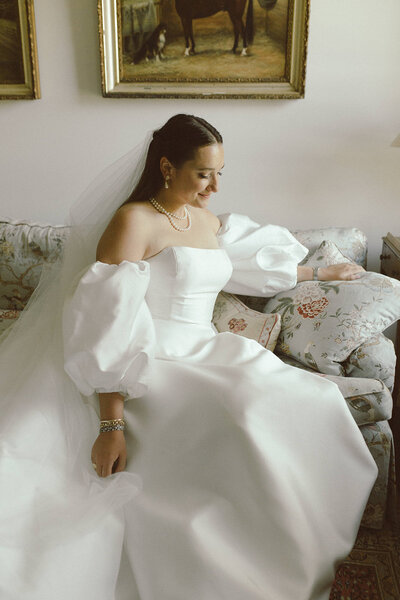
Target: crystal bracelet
(112,425)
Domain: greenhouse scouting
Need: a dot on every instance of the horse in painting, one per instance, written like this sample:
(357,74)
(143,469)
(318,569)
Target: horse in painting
(198,9)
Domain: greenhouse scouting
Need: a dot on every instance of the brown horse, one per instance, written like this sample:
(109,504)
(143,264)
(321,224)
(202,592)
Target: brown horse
(198,9)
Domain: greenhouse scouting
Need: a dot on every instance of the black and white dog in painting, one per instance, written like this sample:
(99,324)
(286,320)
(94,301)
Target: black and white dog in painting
(154,45)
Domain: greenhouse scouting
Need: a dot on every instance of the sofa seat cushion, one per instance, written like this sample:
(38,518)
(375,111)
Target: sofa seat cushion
(369,400)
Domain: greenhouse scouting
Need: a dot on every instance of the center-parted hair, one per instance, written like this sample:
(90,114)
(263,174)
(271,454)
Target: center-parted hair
(178,141)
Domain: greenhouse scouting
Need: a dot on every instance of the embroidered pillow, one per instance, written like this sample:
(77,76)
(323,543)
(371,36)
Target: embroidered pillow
(230,314)
(323,322)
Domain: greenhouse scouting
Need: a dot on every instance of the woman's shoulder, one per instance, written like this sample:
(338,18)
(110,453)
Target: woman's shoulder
(208,217)
(133,212)
(126,236)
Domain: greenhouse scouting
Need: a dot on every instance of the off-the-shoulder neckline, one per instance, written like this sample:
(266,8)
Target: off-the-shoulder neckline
(155,255)
(174,248)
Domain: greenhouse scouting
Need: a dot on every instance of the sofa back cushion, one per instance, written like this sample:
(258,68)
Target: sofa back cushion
(352,242)
(24,248)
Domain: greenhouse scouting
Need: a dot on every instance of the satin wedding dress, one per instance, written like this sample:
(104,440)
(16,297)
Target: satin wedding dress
(254,475)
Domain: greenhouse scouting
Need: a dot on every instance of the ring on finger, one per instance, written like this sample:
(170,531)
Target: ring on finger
(94,466)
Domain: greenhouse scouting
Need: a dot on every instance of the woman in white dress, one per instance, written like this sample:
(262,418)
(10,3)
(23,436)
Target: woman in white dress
(253,474)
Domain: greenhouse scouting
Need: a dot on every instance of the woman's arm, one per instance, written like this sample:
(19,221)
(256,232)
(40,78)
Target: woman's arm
(342,271)
(109,450)
(124,239)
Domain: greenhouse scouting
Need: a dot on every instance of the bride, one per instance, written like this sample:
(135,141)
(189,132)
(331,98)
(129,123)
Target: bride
(218,471)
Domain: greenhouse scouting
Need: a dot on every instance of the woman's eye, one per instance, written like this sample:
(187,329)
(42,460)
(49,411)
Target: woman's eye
(208,176)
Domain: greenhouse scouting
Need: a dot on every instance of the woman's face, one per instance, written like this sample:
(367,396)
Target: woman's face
(197,179)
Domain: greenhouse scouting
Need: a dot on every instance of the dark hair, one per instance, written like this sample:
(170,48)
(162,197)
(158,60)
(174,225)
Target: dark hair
(178,141)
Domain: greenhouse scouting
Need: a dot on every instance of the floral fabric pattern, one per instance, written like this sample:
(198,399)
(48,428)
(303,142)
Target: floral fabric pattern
(7,318)
(23,250)
(324,322)
(230,314)
(327,254)
(351,241)
(237,325)
(375,358)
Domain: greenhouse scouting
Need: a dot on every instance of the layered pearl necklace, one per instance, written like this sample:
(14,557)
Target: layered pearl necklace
(172,216)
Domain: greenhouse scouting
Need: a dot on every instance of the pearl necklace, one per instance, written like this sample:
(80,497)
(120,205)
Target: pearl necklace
(170,216)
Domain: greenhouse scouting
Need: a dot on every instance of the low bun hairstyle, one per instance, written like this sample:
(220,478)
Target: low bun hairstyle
(178,141)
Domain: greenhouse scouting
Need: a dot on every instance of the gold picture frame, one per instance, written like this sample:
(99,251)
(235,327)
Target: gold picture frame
(19,69)
(274,66)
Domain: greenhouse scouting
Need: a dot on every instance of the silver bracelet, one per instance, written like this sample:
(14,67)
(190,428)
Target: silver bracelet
(315,273)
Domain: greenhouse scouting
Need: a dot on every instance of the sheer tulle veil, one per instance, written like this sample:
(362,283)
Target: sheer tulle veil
(46,427)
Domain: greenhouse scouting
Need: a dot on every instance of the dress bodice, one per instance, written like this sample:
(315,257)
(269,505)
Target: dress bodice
(121,316)
(185,282)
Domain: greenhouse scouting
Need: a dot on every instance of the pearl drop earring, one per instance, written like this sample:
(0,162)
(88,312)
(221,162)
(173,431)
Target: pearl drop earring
(166,183)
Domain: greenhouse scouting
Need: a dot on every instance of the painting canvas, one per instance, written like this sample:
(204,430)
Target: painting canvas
(19,76)
(204,48)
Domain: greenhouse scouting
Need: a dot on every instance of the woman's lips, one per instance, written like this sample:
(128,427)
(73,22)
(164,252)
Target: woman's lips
(205,195)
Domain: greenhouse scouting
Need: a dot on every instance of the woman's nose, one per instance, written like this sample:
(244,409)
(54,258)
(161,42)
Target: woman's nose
(213,185)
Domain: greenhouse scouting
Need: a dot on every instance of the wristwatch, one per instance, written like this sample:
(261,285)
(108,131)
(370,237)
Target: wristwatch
(315,273)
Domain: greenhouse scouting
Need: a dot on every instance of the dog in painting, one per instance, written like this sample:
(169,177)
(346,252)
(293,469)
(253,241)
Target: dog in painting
(154,45)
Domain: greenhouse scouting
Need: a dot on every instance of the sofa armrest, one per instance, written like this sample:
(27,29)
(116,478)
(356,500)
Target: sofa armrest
(7,318)
(375,358)
(369,400)
(24,249)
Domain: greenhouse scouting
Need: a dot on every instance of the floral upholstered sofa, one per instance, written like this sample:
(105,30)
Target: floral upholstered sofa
(329,328)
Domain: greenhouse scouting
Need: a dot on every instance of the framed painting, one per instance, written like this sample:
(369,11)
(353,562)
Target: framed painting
(19,72)
(203,48)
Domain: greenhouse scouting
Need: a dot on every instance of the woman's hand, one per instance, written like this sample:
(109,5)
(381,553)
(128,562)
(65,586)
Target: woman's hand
(109,453)
(342,271)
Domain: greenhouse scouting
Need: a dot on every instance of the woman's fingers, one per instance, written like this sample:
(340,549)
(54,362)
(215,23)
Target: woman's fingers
(355,272)
(120,464)
(109,453)
(106,467)
(342,271)
(355,275)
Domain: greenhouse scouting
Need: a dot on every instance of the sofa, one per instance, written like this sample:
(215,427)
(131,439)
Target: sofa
(365,377)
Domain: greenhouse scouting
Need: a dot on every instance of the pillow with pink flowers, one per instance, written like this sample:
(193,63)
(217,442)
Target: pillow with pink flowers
(230,314)
(324,321)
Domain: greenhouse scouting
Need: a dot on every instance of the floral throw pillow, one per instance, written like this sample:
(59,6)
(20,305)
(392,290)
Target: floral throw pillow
(324,321)
(230,314)
(325,255)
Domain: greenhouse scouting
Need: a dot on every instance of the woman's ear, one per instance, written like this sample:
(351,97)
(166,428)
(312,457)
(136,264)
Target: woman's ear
(165,167)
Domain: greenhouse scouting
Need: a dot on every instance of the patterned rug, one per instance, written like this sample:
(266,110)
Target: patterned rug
(372,570)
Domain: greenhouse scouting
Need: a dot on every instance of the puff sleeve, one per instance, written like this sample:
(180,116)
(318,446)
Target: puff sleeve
(264,257)
(108,331)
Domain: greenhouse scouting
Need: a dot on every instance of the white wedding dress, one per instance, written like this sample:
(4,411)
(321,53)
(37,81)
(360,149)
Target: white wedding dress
(254,474)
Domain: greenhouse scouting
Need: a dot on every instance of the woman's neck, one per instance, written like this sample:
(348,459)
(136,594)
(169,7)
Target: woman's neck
(170,202)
